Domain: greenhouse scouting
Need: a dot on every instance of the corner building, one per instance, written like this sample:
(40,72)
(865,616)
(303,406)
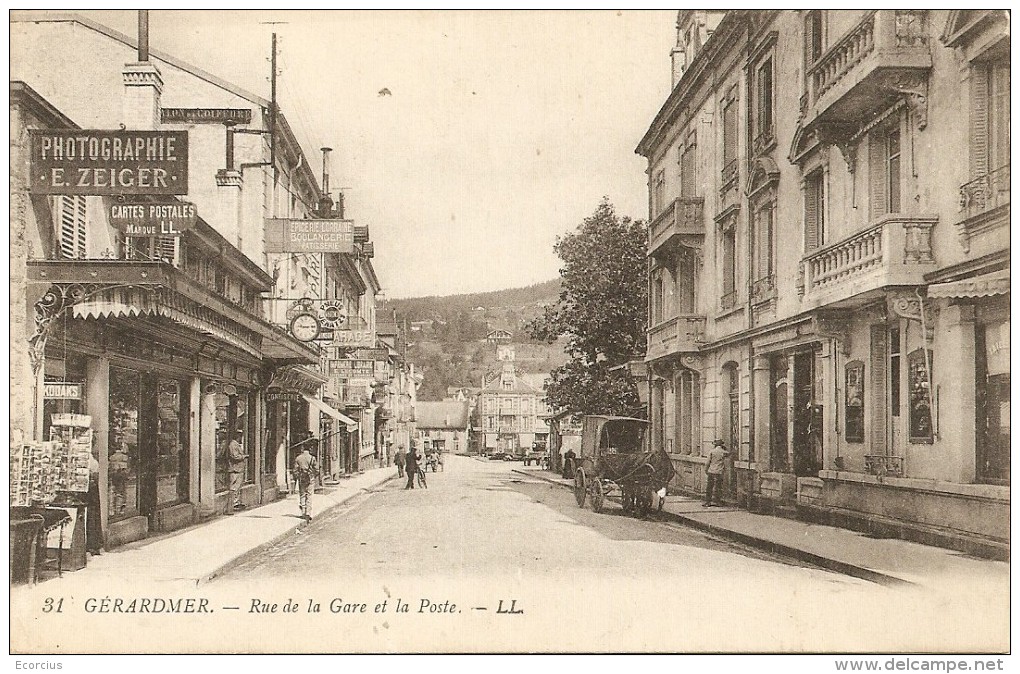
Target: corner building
(828,266)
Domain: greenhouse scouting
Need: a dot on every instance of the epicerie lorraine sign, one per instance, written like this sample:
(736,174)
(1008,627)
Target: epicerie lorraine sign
(109,163)
(153,219)
(284,235)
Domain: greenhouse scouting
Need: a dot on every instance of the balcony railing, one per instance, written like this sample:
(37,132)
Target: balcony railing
(682,334)
(897,250)
(684,216)
(985,193)
(884,43)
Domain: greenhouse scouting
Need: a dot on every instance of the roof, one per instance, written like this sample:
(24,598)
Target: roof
(43,109)
(450,415)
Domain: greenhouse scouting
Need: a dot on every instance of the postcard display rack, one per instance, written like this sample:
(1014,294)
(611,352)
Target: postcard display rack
(51,475)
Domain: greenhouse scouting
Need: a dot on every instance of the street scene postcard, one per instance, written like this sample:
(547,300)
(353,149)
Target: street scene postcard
(478,331)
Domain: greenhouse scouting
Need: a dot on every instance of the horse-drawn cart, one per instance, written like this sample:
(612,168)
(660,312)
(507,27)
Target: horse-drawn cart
(616,458)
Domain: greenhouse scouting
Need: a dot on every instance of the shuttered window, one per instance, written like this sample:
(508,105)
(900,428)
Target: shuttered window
(814,37)
(71,218)
(763,101)
(763,242)
(729,135)
(884,162)
(729,255)
(879,407)
(688,178)
(998,115)
(814,210)
(659,193)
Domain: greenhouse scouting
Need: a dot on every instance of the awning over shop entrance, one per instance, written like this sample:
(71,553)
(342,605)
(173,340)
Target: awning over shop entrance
(986,285)
(329,411)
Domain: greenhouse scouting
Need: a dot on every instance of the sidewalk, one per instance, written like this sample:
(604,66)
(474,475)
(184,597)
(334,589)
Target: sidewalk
(203,551)
(880,560)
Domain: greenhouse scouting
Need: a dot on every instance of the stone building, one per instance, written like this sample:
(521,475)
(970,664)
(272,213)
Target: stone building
(828,265)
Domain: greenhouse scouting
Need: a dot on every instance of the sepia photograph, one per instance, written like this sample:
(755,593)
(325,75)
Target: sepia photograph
(487,331)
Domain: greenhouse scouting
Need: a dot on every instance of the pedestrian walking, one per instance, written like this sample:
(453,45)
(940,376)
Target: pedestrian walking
(306,469)
(400,458)
(411,466)
(237,460)
(714,471)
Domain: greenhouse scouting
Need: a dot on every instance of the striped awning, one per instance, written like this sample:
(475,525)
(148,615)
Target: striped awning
(140,301)
(986,285)
(329,411)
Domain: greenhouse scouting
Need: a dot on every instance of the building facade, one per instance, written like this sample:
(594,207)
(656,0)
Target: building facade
(814,257)
(173,345)
(443,426)
(509,409)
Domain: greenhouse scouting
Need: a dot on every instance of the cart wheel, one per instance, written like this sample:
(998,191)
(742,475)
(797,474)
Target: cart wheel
(598,495)
(628,501)
(644,502)
(579,487)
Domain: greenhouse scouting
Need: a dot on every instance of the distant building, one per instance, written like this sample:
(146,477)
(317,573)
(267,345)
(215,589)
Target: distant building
(499,337)
(443,426)
(509,409)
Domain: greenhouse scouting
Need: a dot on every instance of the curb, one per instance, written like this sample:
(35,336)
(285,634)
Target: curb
(262,547)
(845,568)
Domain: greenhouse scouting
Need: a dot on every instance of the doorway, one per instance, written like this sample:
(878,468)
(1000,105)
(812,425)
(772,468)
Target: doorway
(807,418)
(779,438)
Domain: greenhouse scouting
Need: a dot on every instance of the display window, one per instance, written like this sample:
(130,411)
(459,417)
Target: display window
(123,446)
(171,442)
(64,389)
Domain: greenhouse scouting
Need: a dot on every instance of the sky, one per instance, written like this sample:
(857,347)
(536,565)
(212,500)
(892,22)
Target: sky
(500,130)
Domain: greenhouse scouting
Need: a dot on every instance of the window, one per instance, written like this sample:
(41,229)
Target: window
(894,371)
(764,243)
(72,225)
(686,282)
(689,389)
(732,379)
(814,210)
(688,176)
(729,131)
(921,395)
(814,37)
(885,153)
(124,459)
(998,115)
(659,193)
(729,267)
(763,104)
(854,393)
(171,442)
(658,297)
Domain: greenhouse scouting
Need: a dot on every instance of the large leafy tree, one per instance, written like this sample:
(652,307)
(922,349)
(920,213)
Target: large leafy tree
(602,312)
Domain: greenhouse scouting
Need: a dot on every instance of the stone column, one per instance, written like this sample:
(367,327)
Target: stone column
(954,375)
(762,419)
(97,378)
(207,455)
(143,86)
(830,402)
(195,440)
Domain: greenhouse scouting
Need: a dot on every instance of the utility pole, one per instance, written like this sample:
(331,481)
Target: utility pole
(272,110)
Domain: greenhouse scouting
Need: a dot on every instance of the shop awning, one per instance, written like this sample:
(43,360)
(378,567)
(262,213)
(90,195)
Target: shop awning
(329,411)
(986,285)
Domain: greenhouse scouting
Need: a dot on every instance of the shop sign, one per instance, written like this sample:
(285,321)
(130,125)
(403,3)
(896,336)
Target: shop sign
(109,163)
(346,367)
(354,338)
(283,397)
(285,235)
(62,390)
(135,219)
(205,115)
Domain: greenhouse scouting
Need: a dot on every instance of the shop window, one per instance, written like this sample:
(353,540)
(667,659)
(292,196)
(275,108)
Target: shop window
(993,400)
(171,442)
(124,459)
(854,407)
(60,399)
(921,395)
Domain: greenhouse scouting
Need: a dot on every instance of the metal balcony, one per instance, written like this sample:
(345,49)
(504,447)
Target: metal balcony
(886,55)
(683,217)
(681,334)
(894,251)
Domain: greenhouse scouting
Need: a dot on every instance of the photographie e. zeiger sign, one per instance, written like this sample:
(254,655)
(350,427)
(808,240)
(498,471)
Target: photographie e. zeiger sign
(107,163)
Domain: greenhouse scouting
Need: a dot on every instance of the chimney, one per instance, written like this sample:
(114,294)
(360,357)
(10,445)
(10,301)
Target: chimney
(143,84)
(678,53)
(325,201)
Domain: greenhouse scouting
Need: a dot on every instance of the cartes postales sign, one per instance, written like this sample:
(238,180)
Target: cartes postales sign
(109,162)
(205,115)
(153,219)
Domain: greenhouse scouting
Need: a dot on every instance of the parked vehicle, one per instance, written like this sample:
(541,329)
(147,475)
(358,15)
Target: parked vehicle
(615,457)
(538,456)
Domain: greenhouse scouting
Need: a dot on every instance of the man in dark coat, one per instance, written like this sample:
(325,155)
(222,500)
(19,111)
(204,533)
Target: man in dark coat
(411,466)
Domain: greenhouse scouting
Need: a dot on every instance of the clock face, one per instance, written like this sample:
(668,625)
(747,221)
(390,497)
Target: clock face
(305,327)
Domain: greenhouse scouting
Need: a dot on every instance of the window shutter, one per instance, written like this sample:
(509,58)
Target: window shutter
(879,407)
(166,248)
(811,187)
(71,226)
(878,192)
(978,121)
(688,184)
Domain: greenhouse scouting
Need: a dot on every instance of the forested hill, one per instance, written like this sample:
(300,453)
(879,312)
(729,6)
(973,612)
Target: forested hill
(441,307)
(446,335)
